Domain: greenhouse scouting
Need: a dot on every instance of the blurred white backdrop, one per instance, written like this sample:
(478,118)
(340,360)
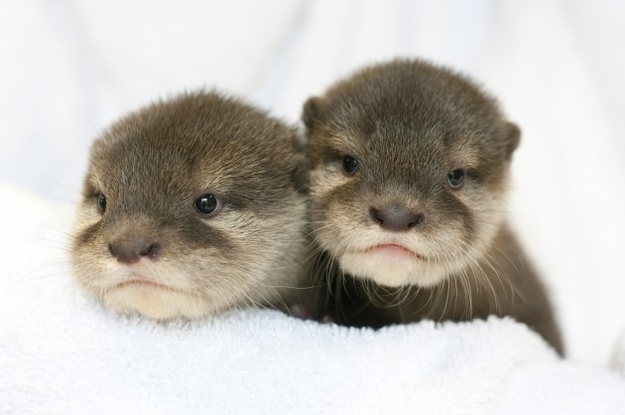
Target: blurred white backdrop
(70,68)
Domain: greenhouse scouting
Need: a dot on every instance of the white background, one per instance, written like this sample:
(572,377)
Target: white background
(70,68)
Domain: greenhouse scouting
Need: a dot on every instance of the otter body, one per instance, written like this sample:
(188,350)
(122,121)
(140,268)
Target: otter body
(409,173)
(192,206)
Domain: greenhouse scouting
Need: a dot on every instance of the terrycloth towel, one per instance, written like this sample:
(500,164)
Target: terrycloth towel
(62,354)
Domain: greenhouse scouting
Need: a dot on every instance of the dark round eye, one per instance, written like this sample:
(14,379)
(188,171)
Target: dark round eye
(456,178)
(350,165)
(207,204)
(102,203)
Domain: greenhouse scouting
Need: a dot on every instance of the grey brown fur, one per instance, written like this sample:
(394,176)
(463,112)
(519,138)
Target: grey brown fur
(410,124)
(150,251)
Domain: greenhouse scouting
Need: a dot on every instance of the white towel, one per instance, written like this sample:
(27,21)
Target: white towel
(62,354)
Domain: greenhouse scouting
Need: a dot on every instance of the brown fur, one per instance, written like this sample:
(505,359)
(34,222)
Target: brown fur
(151,167)
(409,124)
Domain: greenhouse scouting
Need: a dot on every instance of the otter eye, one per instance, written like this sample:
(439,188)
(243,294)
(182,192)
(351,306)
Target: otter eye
(101,203)
(350,165)
(456,178)
(207,204)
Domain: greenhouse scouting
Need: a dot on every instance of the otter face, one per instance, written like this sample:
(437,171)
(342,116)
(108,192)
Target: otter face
(410,165)
(189,207)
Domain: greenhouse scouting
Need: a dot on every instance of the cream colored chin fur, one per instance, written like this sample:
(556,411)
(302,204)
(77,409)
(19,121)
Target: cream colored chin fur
(157,303)
(390,273)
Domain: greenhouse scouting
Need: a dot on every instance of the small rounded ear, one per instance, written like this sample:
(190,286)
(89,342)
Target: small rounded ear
(511,135)
(311,111)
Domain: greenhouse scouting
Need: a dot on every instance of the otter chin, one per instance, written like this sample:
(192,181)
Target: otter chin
(391,266)
(155,301)
(410,169)
(154,292)
(392,263)
(192,206)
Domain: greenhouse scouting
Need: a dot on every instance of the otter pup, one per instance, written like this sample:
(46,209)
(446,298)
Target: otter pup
(192,206)
(409,172)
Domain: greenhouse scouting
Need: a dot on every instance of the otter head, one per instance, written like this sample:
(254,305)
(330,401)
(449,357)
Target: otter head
(191,206)
(409,169)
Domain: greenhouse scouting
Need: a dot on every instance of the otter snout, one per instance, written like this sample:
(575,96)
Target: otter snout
(397,218)
(131,249)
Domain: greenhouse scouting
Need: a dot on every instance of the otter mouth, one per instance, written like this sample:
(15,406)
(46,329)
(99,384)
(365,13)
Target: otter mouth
(393,251)
(144,283)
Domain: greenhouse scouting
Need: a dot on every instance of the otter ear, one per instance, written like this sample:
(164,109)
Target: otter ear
(511,137)
(312,108)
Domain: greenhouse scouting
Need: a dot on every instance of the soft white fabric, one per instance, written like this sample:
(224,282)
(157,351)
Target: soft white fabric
(60,353)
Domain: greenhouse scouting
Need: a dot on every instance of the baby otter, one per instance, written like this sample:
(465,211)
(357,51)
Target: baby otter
(192,206)
(409,172)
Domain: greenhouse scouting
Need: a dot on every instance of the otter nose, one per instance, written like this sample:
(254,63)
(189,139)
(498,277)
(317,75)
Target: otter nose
(397,218)
(129,250)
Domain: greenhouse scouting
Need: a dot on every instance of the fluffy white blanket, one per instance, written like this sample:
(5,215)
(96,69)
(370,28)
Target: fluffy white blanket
(62,354)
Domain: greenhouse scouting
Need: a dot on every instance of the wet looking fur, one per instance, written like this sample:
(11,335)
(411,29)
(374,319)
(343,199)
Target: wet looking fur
(410,165)
(192,206)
